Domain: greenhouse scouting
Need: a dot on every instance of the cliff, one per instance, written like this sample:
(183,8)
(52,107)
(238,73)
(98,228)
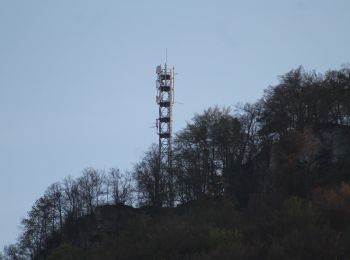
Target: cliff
(318,155)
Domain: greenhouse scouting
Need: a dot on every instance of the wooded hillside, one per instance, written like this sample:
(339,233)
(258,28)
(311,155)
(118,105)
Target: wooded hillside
(269,180)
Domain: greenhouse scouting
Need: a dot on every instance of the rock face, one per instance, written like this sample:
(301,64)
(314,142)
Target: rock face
(317,150)
(330,142)
(337,142)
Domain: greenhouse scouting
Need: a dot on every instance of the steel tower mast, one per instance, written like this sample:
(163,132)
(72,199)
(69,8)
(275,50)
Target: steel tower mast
(165,101)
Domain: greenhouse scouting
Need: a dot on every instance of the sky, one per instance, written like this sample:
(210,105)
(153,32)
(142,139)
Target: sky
(77,78)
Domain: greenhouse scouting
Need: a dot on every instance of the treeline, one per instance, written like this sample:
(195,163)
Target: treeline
(214,144)
(304,98)
(221,153)
(67,201)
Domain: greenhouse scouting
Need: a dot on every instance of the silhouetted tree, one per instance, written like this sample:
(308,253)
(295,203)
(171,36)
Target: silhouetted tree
(119,186)
(150,184)
(90,188)
(55,194)
(12,252)
(306,98)
(72,197)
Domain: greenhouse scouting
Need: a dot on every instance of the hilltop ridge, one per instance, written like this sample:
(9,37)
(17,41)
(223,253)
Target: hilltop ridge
(268,181)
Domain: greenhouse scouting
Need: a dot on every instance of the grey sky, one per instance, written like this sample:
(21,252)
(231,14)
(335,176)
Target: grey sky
(77,78)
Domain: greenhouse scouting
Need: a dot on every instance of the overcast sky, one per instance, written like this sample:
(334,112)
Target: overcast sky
(77,78)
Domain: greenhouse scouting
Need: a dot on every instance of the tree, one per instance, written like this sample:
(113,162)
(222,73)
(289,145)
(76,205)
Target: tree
(151,185)
(210,147)
(55,193)
(119,187)
(306,98)
(38,227)
(195,156)
(72,198)
(12,252)
(214,153)
(90,188)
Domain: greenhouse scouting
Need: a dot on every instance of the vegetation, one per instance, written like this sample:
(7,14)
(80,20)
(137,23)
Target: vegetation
(270,181)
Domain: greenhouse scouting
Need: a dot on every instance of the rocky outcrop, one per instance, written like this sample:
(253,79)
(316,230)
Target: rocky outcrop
(315,151)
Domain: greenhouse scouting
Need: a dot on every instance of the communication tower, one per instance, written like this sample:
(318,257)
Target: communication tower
(165,101)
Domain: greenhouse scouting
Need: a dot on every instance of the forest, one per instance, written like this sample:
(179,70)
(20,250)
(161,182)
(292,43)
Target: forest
(263,180)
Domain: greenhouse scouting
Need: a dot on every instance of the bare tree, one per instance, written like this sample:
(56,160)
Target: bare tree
(55,193)
(91,188)
(12,252)
(120,186)
(72,198)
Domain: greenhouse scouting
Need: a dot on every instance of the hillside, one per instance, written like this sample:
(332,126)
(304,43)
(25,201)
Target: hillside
(314,224)
(271,181)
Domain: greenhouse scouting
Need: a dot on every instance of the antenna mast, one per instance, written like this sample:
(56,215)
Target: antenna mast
(165,101)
